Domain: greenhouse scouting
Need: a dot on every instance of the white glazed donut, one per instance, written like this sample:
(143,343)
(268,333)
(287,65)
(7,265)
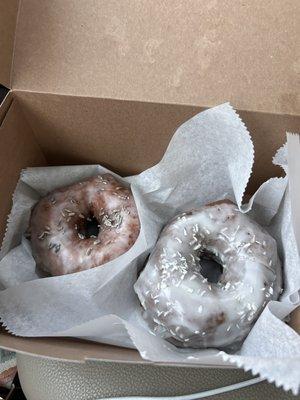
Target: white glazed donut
(186,309)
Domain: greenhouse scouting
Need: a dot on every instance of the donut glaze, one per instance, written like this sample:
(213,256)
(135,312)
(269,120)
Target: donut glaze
(59,239)
(181,305)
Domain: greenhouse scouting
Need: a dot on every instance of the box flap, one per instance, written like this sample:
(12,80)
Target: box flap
(68,349)
(8,18)
(196,53)
(76,350)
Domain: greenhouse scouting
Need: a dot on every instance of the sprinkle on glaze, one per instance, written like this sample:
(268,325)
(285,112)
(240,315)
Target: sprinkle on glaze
(209,314)
(59,245)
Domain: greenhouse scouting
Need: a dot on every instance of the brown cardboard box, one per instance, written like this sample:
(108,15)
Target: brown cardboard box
(109,82)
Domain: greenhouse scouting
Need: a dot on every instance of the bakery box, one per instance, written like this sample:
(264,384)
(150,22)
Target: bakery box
(109,82)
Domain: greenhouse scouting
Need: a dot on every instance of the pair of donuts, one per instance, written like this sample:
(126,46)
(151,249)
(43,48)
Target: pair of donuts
(207,280)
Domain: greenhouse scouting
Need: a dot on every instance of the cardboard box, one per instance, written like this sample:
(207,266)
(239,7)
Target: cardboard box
(109,82)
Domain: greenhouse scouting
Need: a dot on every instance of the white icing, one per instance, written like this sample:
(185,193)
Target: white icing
(180,304)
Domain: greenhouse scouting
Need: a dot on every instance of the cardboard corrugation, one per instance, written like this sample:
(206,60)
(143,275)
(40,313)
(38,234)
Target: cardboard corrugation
(109,82)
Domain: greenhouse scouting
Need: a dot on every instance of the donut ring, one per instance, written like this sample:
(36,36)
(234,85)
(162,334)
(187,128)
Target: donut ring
(181,305)
(60,241)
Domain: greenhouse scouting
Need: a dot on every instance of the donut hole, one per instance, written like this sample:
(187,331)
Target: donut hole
(89,227)
(210,265)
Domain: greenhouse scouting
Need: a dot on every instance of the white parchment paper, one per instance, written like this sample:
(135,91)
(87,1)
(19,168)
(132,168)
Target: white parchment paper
(209,158)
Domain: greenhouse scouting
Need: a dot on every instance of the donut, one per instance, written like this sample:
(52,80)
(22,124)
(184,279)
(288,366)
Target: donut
(83,226)
(185,301)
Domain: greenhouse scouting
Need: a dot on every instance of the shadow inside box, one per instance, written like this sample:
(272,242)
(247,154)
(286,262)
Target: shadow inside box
(14,392)
(3,92)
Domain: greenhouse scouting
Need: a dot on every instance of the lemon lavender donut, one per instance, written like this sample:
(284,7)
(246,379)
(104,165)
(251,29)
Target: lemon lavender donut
(84,225)
(185,307)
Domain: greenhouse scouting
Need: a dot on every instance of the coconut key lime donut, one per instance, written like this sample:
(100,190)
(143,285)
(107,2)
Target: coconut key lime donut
(189,305)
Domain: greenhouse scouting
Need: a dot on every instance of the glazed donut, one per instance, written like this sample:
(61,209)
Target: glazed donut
(84,225)
(182,305)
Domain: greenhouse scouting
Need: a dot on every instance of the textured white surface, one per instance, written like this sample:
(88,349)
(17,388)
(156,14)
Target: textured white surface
(43,379)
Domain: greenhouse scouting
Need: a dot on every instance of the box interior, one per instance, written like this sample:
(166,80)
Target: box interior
(49,129)
(105,83)
(125,136)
